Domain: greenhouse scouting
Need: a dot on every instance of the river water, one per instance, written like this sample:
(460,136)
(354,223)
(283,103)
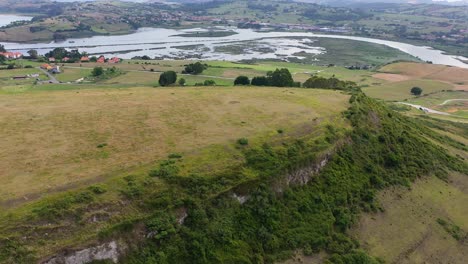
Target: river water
(166,43)
(7,19)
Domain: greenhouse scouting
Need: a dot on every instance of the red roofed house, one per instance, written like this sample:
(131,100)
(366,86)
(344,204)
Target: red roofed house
(101,59)
(66,59)
(114,60)
(51,59)
(12,55)
(84,59)
(46,66)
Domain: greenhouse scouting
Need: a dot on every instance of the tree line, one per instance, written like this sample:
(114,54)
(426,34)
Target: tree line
(283,78)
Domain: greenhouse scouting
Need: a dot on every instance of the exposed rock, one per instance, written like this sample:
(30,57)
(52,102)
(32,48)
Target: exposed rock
(107,251)
(241,198)
(304,175)
(181,218)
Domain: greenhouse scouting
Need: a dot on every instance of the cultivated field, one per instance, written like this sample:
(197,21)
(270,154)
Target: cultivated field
(53,140)
(457,77)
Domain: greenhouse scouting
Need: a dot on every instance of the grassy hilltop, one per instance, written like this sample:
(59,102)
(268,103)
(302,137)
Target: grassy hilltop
(234,174)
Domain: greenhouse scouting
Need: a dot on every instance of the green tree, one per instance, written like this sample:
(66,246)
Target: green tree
(33,54)
(259,81)
(182,82)
(2,48)
(195,68)
(280,78)
(97,71)
(242,80)
(209,83)
(168,78)
(416,91)
(2,59)
(57,53)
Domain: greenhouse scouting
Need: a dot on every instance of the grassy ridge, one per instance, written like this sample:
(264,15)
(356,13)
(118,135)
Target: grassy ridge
(386,150)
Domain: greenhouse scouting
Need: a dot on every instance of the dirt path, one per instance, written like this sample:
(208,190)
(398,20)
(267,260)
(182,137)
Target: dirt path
(425,109)
(453,100)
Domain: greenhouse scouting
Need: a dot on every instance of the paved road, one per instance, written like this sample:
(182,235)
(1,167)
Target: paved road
(52,78)
(452,100)
(425,109)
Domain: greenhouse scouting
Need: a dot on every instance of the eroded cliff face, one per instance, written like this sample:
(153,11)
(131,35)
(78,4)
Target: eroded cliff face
(115,250)
(107,251)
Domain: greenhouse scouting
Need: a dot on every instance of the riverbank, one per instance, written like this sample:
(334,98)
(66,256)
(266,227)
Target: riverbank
(163,43)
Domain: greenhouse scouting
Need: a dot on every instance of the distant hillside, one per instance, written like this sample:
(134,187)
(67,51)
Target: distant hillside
(353,2)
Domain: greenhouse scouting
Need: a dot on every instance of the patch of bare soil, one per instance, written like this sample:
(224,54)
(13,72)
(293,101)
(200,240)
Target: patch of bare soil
(390,77)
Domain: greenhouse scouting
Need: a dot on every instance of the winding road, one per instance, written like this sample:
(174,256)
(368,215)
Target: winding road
(52,78)
(425,109)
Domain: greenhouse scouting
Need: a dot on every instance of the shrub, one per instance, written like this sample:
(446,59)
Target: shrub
(28,67)
(328,83)
(97,71)
(182,82)
(209,83)
(243,141)
(102,145)
(260,81)
(161,225)
(242,80)
(174,156)
(168,78)
(97,189)
(280,78)
(167,169)
(195,68)
(416,91)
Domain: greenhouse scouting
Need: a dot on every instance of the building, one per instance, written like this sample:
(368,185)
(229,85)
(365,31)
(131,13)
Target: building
(114,60)
(51,59)
(66,59)
(84,59)
(101,59)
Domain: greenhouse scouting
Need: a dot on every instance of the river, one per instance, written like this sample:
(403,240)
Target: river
(160,42)
(6,19)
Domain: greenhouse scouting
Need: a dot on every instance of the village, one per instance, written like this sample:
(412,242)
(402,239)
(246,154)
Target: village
(50,66)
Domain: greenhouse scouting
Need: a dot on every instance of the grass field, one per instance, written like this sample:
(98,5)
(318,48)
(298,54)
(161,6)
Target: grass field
(57,139)
(398,91)
(408,231)
(146,73)
(72,74)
